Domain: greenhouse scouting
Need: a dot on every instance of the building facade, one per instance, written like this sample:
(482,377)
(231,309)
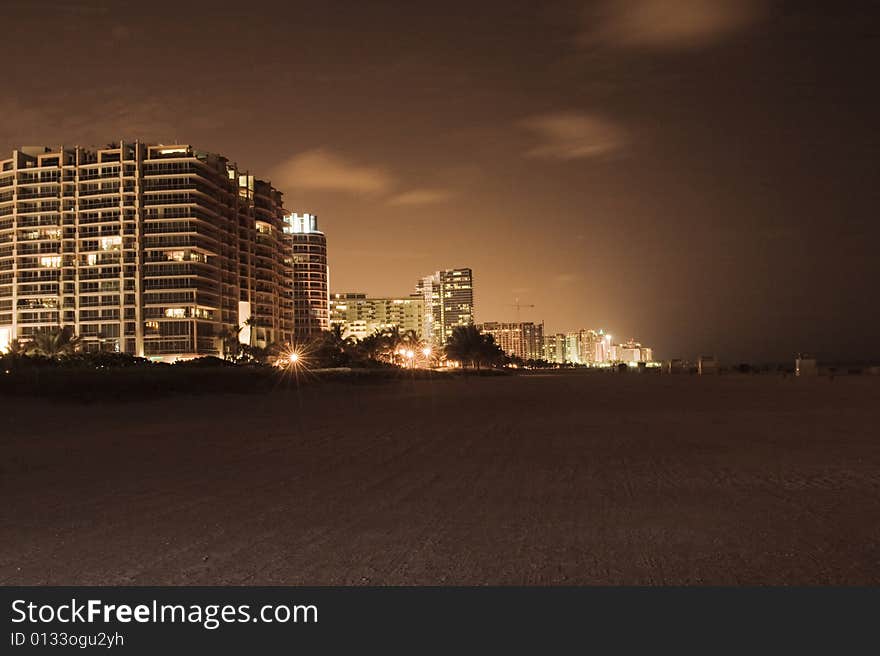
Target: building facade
(151,250)
(449,301)
(310,275)
(361,316)
(522,339)
(554,348)
(633,351)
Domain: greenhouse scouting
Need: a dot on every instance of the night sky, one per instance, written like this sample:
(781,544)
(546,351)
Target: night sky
(701,175)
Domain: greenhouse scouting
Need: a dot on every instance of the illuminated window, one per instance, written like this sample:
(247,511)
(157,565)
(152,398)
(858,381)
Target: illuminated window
(111,243)
(53,261)
(175,313)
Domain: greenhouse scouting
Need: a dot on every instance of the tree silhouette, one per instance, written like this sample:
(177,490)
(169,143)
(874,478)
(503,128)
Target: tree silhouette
(54,342)
(472,348)
(229,339)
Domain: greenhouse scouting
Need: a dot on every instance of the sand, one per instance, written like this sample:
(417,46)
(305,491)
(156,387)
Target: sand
(540,479)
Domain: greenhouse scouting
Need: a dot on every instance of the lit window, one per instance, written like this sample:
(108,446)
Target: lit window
(175,313)
(111,243)
(53,261)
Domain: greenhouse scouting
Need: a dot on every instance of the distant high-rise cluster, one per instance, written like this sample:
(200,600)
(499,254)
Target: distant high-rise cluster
(153,250)
(526,340)
(593,347)
(441,301)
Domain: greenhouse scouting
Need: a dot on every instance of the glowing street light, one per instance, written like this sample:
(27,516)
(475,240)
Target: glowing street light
(426,351)
(293,357)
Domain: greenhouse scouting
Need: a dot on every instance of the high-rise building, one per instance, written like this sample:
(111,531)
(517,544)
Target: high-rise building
(310,275)
(572,348)
(633,351)
(554,348)
(361,316)
(522,339)
(449,302)
(152,250)
(629,352)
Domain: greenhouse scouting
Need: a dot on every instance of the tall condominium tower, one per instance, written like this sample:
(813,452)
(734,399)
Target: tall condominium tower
(310,275)
(449,302)
(152,250)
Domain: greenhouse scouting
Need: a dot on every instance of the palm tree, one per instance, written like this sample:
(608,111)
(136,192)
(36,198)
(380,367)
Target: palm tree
(330,348)
(411,338)
(469,346)
(229,340)
(393,341)
(54,342)
(372,346)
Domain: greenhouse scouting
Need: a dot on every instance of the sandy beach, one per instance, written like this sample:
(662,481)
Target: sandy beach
(553,478)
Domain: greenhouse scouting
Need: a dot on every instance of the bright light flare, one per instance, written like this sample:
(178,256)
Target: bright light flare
(292,358)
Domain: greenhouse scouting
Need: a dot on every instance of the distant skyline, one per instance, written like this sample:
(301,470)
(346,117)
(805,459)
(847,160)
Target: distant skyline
(701,175)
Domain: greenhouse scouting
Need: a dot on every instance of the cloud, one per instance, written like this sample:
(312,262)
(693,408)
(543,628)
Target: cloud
(323,170)
(421,197)
(666,24)
(573,135)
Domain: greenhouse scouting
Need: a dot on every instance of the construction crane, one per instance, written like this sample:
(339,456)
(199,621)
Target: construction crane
(518,306)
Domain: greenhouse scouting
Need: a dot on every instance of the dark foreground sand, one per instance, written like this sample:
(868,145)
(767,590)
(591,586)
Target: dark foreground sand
(540,479)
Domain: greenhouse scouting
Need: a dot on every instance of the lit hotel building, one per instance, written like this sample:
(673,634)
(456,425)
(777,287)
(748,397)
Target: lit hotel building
(361,316)
(449,302)
(311,276)
(523,339)
(151,250)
